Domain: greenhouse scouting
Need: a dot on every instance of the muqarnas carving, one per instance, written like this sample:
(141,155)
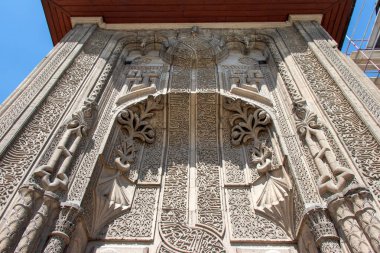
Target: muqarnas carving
(116,186)
(272,189)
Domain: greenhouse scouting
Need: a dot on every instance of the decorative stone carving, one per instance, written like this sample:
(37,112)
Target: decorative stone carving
(246,125)
(115,189)
(301,175)
(138,223)
(37,82)
(310,129)
(335,57)
(137,79)
(323,230)
(20,155)
(64,227)
(181,238)
(30,237)
(345,219)
(366,215)
(219,160)
(62,157)
(140,81)
(272,188)
(365,151)
(18,219)
(275,199)
(209,195)
(245,224)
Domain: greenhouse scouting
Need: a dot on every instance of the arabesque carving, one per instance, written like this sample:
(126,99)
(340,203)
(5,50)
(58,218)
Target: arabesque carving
(182,238)
(273,187)
(115,189)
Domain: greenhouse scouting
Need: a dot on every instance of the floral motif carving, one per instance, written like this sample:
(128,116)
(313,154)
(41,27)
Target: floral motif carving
(115,189)
(365,150)
(275,199)
(246,125)
(62,157)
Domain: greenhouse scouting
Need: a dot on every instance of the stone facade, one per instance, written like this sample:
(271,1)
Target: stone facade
(192,140)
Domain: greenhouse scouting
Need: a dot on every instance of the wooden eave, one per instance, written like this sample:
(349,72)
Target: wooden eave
(336,13)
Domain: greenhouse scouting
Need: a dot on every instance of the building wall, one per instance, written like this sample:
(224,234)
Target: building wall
(192,140)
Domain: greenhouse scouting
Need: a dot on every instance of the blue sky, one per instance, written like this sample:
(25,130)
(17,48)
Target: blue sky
(26,39)
(25,42)
(361,24)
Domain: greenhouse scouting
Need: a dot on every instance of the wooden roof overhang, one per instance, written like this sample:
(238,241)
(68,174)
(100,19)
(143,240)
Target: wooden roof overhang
(336,13)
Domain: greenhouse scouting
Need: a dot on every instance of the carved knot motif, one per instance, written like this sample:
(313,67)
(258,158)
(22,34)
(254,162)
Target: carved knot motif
(333,177)
(78,126)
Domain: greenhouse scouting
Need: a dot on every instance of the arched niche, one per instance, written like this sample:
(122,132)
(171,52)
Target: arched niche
(171,157)
(193,135)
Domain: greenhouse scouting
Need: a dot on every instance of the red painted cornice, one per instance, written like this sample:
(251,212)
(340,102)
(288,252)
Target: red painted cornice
(336,13)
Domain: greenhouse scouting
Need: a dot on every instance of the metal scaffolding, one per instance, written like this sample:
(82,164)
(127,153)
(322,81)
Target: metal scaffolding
(362,43)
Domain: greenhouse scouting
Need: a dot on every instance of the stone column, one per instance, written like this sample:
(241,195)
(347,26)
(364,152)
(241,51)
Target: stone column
(366,215)
(65,225)
(15,223)
(30,237)
(345,220)
(323,230)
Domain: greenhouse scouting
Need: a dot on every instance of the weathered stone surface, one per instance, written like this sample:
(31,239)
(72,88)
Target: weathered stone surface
(194,140)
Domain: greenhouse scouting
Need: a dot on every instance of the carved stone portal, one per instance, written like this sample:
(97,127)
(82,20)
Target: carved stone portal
(185,143)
